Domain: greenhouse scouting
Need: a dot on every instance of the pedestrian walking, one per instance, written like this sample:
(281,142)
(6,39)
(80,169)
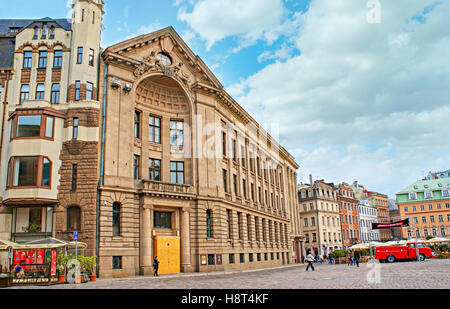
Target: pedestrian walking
(310,259)
(357,256)
(155,266)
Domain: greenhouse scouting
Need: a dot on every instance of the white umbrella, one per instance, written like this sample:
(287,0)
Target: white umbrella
(414,240)
(437,240)
(375,244)
(359,246)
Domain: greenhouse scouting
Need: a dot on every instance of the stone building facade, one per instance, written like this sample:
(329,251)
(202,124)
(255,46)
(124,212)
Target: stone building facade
(139,149)
(187,167)
(348,206)
(320,216)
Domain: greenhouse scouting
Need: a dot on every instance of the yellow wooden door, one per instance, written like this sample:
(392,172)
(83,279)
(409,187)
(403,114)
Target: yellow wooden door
(167,249)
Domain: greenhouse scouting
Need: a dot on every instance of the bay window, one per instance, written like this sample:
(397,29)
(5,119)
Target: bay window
(29,172)
(32,126)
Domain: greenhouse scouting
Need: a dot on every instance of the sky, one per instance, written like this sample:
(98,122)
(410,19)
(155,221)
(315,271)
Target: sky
(359,89)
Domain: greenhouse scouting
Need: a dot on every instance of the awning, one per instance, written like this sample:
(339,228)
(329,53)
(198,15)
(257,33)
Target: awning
(48,243)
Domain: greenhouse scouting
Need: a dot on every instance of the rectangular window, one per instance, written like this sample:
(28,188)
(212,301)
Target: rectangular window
(75,128)
(441,218)
(137,124)
(224,144)
(229,223)
(136,164)
(208,224)
(74,176)
(29,126)
(424,219)
(57,60)
(89,91)
(49,126)
(25,171)
(242,258)
(233,149)
(154,130)
(244,188)
(431,218)
(80,55)
(154,169)
(91,57)
(162,220)
(40,91)
(235,185)
(116,262)
(231,258)
(243,155)
(45,180)
(77,90)
(224,179)
(24,93)
(27,59)
(116,219)
(211,260)
(177,172)
(176,133)
(55,93)
(42,59)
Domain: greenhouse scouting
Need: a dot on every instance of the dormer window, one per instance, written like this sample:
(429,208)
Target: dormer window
(446,192)
(36,33)
(164,59)
(428,194)
(412,195)
(44,31)
(52,32)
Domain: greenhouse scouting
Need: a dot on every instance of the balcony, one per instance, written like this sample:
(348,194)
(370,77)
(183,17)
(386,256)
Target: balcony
(164,189)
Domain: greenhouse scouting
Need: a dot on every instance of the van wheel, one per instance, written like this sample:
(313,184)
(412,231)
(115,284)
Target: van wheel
(421,257)
(390,259)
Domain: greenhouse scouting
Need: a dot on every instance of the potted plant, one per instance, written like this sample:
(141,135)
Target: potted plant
(5,280)
(90,267)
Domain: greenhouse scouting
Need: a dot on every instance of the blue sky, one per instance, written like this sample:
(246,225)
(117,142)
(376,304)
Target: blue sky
(358,88)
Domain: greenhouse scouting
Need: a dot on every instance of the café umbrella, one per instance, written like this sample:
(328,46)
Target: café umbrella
(437,240)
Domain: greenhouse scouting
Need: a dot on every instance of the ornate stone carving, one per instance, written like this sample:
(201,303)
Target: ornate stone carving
(151,64)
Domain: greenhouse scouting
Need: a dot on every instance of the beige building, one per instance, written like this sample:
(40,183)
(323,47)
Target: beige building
(320,216)
(141,151)
(184,162)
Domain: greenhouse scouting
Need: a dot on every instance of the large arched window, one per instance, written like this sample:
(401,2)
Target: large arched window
(73,218)
(116,219)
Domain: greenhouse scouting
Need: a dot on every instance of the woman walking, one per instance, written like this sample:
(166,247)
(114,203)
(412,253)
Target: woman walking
(310,260)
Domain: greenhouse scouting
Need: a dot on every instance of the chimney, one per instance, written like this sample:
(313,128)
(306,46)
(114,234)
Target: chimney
(310,180)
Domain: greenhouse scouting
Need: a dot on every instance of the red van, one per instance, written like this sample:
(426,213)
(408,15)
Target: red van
(403,252)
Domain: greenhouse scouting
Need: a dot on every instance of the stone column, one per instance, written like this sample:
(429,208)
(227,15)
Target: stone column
(147,245)
(186,266)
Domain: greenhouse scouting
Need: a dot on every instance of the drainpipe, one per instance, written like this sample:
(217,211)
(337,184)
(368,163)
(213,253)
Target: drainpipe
(5,102)
(102,165)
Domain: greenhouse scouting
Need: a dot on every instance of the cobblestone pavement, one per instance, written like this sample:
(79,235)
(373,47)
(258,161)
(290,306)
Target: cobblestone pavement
(431,274)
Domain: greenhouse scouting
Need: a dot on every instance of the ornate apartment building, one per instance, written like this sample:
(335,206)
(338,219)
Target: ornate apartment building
(349,212)
(138,148)
(320,217)
(50,125)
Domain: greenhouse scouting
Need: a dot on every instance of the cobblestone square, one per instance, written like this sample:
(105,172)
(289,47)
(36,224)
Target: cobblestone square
(431,274)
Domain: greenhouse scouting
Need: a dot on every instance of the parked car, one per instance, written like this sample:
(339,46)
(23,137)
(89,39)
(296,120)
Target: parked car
(394,253)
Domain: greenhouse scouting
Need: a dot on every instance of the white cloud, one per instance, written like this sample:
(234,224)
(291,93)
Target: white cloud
(146,29)
(382,86)
(251,20)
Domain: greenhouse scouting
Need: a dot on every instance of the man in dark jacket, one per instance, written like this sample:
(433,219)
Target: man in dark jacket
(357,256)
(155,266)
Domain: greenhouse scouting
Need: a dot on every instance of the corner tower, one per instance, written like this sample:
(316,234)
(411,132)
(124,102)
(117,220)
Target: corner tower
(87,17)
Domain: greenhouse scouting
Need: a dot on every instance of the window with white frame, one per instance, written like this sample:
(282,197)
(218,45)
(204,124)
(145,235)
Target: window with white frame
(412,195)
(428,194)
